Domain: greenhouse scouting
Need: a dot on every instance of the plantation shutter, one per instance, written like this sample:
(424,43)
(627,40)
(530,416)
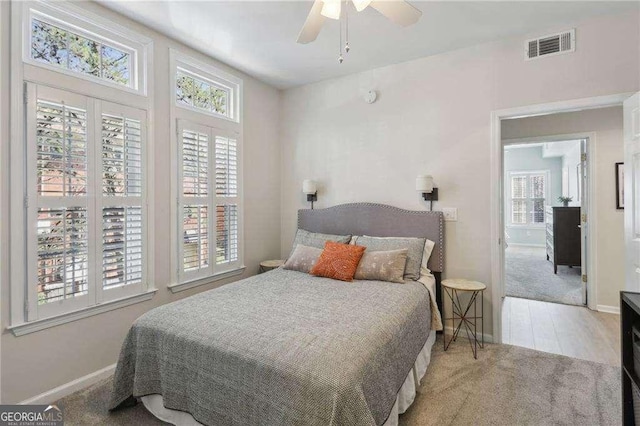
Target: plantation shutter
(195,199)
(59,254)
(226,200)
(208,202)
(123,215)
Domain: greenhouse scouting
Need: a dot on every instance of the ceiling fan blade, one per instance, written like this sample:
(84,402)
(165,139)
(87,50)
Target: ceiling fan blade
(398,11)
(313,24)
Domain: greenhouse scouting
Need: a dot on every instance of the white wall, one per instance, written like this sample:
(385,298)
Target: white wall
(41,361)
(520,159)
(433,116)
(606,123)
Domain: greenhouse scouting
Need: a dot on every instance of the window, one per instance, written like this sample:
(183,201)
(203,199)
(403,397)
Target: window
(204,95)
(63,48)
(206,90)
(527,197)
(208,201)
(62,38)
(85,167)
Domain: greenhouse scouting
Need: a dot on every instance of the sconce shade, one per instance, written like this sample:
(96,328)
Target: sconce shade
(424,184)
(309,186)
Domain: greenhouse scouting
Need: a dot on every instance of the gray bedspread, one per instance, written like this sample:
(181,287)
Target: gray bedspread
(279,348)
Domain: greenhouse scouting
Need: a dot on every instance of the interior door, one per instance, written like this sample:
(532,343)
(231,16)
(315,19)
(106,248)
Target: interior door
(584,209)
(632,191)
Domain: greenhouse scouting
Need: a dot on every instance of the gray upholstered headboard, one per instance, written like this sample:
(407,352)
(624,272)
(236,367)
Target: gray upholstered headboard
(378,220)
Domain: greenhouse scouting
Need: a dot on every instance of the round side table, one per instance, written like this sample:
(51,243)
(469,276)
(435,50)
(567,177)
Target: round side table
(461,312)
(267,265)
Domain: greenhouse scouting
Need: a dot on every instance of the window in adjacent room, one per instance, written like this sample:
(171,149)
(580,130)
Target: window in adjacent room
(528,197)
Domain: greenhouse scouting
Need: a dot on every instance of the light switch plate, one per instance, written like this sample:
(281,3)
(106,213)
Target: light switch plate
(450,214)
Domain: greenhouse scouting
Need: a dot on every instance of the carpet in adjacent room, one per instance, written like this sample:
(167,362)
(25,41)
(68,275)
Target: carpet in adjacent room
(530,275)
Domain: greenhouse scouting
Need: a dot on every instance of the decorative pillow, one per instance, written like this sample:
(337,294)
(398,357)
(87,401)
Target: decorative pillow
(314,239)
(382,266)
(415,247)
(338,261)
(303,258)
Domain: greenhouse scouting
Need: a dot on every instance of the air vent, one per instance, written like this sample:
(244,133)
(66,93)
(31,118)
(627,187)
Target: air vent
(549,45)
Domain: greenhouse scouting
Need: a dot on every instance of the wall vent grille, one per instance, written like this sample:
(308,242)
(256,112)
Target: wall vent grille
(554,44)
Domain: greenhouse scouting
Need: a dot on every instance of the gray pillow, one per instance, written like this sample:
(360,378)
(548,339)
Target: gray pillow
(415,247)
(313,239)
(303,258)
(382,266)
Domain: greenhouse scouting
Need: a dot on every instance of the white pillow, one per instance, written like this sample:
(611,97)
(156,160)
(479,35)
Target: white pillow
(426,255)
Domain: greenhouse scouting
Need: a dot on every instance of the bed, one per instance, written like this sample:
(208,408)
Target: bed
(286,347)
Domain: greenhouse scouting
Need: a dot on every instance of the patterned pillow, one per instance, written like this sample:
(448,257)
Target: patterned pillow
(338,261)
(382,266)
(415,247)
(314,239)
(303,258)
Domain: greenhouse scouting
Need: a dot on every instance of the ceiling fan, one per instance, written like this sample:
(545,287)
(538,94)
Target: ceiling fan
(397,11)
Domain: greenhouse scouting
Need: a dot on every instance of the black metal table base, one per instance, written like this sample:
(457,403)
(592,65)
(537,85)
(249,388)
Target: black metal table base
(461,313)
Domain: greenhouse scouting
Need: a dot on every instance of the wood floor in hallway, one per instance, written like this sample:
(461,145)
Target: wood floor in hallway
(574,331)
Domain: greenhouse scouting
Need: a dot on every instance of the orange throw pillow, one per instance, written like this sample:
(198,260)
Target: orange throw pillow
(338,261)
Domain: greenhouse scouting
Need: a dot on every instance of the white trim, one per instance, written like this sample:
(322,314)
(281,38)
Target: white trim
(176,288)
(73,386)
(497,220)
(38,325)
(609,309)
(526,245)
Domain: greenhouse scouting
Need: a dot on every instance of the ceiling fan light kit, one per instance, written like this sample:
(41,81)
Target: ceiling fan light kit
(331,9)
(398,11)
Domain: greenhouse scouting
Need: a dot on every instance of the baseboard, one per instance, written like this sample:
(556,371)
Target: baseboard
(73,386)
(526,245)
(488,338)
(608,309)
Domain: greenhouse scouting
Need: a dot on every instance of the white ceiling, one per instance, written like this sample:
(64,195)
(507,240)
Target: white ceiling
(259,37)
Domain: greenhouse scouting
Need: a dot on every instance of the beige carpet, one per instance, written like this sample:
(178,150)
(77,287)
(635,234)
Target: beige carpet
(507,385)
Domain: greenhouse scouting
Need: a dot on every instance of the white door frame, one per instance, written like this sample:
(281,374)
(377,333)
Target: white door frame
(496,156)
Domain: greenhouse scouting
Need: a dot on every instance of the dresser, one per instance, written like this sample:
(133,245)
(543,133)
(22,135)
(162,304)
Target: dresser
(563,236)
(630,328)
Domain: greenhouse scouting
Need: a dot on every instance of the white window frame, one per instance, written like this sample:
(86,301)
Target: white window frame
(22,319)
(509,204)
(93,201)
(69,17)
(217,125)
(213,76)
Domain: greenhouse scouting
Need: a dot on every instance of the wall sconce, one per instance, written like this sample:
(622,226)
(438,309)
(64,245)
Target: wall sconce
(309,187)
(424,184)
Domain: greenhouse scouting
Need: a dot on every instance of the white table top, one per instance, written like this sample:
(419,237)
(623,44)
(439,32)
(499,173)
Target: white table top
(463,285)
(272,263)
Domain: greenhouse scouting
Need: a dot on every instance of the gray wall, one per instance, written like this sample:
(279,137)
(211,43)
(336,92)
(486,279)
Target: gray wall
(522,159)
(433,116)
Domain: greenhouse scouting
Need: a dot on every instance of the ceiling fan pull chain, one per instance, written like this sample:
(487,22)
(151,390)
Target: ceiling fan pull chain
(340,58)
(346,14)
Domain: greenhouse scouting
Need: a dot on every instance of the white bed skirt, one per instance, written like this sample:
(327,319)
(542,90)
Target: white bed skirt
(154,403)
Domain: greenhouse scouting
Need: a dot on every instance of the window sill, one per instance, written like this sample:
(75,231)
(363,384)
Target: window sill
(176,288)
(42,324)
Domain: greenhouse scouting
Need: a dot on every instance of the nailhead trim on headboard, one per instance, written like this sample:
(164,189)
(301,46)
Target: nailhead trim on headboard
(437,236)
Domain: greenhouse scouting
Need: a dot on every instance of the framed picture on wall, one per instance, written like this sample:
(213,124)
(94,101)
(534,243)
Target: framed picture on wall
(620,186)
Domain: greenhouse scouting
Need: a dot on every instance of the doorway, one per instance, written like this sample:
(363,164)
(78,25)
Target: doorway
(544,202)
(601,301)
